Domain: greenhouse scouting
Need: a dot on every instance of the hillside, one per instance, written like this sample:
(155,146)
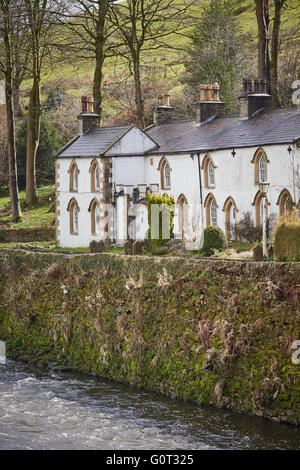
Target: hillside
(162,68)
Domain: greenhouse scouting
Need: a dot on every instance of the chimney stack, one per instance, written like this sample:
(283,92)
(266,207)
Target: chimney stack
(209,104)
(163,112)
(87,118)
(254,97)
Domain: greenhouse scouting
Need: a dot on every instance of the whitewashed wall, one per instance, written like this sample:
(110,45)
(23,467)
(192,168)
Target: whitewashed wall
(234,177)
(134,142)
(83,197)
(128,170)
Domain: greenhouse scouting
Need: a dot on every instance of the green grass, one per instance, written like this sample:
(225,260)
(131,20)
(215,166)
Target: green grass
(51,246)
(39,215)
(241,246)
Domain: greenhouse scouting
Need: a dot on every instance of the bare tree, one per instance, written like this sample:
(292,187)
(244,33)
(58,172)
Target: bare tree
(20,51)
(263,24)
(42,17)
(90,34)
(6,67)
(278,4)
(144,26)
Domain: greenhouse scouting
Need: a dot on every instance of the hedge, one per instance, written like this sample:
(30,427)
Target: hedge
(214,239)
(287,241)
(32,234)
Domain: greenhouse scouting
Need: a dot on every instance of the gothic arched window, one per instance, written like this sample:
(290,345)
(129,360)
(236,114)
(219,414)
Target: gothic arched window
(211,210)
(73,172)
(260,161)
(209,172)
(165,173)
(73,209)
(95,176)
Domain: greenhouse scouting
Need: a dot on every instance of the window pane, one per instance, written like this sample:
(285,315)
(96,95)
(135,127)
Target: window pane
(97,178)
(262,169)
(213,213)
(211,174)
(75,220)
(75,180)
(97,219)
(167,176)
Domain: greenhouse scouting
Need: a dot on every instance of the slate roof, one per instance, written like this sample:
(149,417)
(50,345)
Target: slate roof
(163,133)
(94,142)
(270,126)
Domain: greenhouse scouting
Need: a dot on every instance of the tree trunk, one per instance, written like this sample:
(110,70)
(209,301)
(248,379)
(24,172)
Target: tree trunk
(12,160)
(100,41)
(36,15)
(274,54)
(263,24)
(11,133)
(33,137)
(139,102)
(98,82)
(98,73)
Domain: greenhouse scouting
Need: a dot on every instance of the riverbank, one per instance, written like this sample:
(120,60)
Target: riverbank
(213,332)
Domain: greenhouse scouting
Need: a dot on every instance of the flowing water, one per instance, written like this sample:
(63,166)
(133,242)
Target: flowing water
(44,409)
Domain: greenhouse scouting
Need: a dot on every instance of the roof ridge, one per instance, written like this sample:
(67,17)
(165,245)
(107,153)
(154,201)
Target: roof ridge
(113,127)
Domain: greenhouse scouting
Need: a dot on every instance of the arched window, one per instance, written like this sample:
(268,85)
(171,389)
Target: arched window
(213,213)
(94,209)
(285,202)
(258,203)
(230,210)
(73,209)
(260,161)
(209,172)
(95,176)
(165,173)
(211,210)
(262,169)
(181,216)
(74,172)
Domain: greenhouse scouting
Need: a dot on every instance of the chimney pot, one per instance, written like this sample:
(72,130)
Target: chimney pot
(209,104)
(90,107)
(254,97)
(163,112)
(87,118)
(84,102)
(166,99)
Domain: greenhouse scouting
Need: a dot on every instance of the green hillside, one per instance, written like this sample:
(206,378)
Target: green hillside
(162,68)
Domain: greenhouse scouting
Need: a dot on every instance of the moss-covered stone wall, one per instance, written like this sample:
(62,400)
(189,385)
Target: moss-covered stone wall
(30,234)
(214,332)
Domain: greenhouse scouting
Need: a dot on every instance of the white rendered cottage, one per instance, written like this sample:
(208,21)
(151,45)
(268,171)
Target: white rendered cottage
(211,165)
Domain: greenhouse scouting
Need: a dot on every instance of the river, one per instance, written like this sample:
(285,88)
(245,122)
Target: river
(46,409)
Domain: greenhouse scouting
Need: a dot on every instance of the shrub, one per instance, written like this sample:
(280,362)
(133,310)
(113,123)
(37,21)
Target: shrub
(287,241)
(166,206)
(245,230)
(214,239)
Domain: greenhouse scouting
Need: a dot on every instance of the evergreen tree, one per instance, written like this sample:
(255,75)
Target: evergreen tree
(216,53)
(50,143)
